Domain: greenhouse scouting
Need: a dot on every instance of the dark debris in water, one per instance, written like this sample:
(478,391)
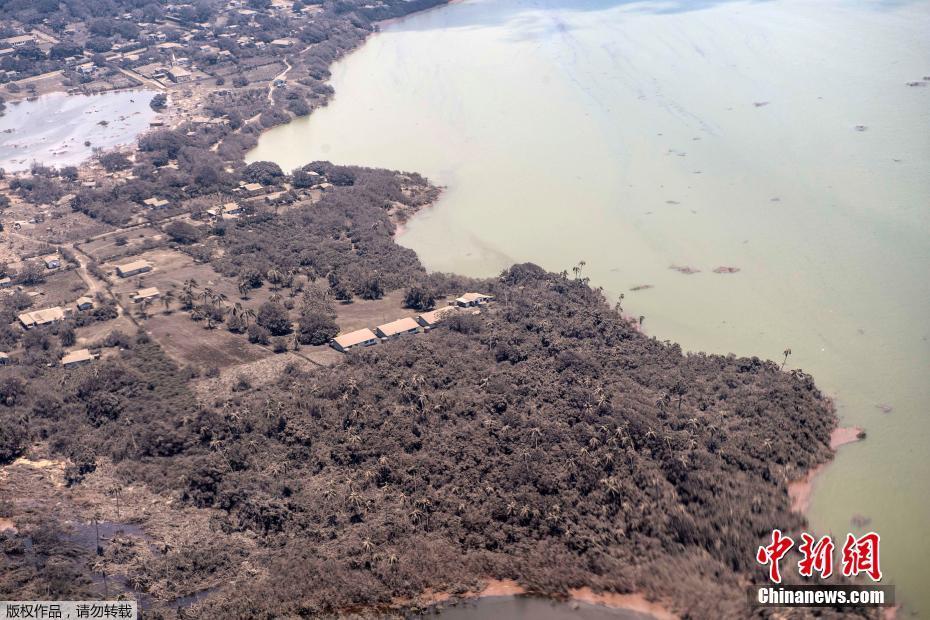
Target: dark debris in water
(860,521)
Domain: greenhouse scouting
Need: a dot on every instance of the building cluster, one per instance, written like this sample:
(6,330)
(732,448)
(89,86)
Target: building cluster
(407,325)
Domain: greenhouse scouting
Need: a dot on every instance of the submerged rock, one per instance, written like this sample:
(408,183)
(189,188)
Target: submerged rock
(685,269)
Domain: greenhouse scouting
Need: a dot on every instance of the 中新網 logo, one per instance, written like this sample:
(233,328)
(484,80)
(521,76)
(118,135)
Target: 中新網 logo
(858,556)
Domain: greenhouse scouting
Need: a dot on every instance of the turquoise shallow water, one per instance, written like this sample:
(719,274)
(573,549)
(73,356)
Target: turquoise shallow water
(780,138)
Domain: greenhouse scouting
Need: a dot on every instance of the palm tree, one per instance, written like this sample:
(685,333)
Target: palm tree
(610,484)
(787,353)
(248,313)
(274,278)
(355,501)
(577,268)
(188,297)
(535,433)
(206,295)
(679,390)
(166,299)
(243,287)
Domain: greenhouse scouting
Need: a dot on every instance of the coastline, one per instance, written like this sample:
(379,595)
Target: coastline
(509,588)
(800,491)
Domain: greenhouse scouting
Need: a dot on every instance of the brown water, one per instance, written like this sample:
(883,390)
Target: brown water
(779,138)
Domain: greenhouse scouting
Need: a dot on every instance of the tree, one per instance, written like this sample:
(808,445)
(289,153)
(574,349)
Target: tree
(371,287)
(315,328)
(787,353)
(67,336)
(341,176)
(264,172)
(187,294)
(419,298)
(13,441)
(679,390)
(114,162)
(159,102)
(302,178)
(183,232)
(258,334)
(275,278)
(273,317)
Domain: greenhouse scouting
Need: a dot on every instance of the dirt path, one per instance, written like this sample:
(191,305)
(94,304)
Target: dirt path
(93,286)
(280,76)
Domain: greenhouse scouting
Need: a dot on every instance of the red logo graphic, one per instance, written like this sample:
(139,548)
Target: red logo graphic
(817,557)
(860,555)
(773,553)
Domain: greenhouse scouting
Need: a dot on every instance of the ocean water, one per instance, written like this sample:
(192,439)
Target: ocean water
(52,129)
(778,138)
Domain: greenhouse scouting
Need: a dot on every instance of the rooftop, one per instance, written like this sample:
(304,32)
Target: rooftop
(41,317)
(76,357)
(399,326)
(434,316)
(134,266)
(353,338)
(146,293)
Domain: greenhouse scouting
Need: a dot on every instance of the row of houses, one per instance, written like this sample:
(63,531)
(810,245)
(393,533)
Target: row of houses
(408,325)
(48,316)
(68,360)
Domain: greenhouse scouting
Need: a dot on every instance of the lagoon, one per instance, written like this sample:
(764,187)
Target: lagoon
(52,129)
(778,151)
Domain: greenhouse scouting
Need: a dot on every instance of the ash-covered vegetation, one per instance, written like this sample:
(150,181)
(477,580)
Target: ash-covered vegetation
(346,236)
(546,440)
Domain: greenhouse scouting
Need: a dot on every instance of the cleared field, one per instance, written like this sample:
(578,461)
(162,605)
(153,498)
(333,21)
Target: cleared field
(188,342)
(109,247)
(99,330)
(370,313)
(59,289)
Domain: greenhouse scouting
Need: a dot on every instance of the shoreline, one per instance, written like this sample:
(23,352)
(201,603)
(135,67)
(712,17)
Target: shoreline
(509,588)
(801,490)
